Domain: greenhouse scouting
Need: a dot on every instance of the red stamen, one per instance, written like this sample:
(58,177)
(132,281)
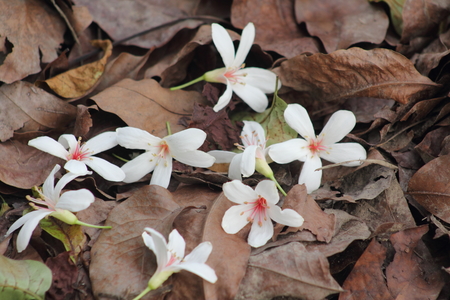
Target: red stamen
(316,146)
(258,210)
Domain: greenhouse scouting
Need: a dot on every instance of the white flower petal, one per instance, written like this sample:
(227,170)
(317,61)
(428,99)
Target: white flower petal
(261,79)
(309,176)
(253,134)
(259,235)
(76,167)
(238,192)
(200,253)
(268,190)
(225,98)
(185,140)
(341,152)
(29,222)
(62,182)
(75,201)
(69,141)
(102,142)
(234,170)
(297,117)
(233,221)
(288,151)
(49,145)
(338,126)
(135,138)
(202,270)
(248,161)
(163,171)
(105,169)
(160,247)
(223,43)
(138,167)
(247,38)
(288,217)
(148,241)
(195,158)
(221,156)
(48,187)
(254,97)
(176,244)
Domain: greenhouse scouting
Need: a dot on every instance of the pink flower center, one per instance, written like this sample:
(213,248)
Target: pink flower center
(258,211)
(79,153)
(164,149)
(234,78)
(172,260)
(316,146)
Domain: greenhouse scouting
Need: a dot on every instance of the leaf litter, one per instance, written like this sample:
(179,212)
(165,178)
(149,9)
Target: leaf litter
(377,231)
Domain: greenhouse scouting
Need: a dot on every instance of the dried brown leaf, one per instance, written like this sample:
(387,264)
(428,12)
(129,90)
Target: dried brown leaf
(288,270)
(29,30)
(146,105)
(359,21)
(430,186)
(64,275)
(377,73)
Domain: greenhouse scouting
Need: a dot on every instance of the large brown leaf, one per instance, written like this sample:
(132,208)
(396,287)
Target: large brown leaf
(288,270)
(430,186)
(358,22)
(29,108)
(28,29)
(121,264)
(121,19)
(146,105)
(378,73)
(276,28)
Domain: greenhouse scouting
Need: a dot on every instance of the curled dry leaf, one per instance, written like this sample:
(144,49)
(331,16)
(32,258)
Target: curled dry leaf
(121,20)
(146,105)
(121,264)
(288,270)
(430,186)
(26,107)
(278,31)
(78,82)
(377,73)
(33,29)
(359,21)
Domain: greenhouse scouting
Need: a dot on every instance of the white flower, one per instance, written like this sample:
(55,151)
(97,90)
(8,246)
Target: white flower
(250,84)
(170,257)
(52,203)
(312,147)
(79,155)
(258,207)
(254,155)
(159,153)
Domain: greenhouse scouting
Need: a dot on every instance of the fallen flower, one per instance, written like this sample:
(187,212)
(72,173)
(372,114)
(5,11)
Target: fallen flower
(159,153)
(253,157)
(170,258)
(250,84)
(81,155)
(312,147)
(258,207)
(51,203)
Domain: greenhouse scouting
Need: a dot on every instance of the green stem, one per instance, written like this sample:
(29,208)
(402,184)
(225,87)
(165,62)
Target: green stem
(121,158)
(169,131)
(278,185)
(143,293)
(188,84)
(78,222)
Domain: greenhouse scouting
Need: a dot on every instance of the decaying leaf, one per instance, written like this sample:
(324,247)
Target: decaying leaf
(77,82)
(359,21)
(430,186)
(23,279)
(395,10)
(378,73)
(65,275)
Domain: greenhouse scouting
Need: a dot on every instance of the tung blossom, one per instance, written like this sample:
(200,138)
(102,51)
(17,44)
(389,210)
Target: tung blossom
(79,155)
(170,258)
(159,153)
(250,84)
(258,207)
(312,148)
(52,203)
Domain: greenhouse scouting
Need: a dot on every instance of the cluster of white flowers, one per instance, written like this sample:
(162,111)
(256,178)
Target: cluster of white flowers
(258,207)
